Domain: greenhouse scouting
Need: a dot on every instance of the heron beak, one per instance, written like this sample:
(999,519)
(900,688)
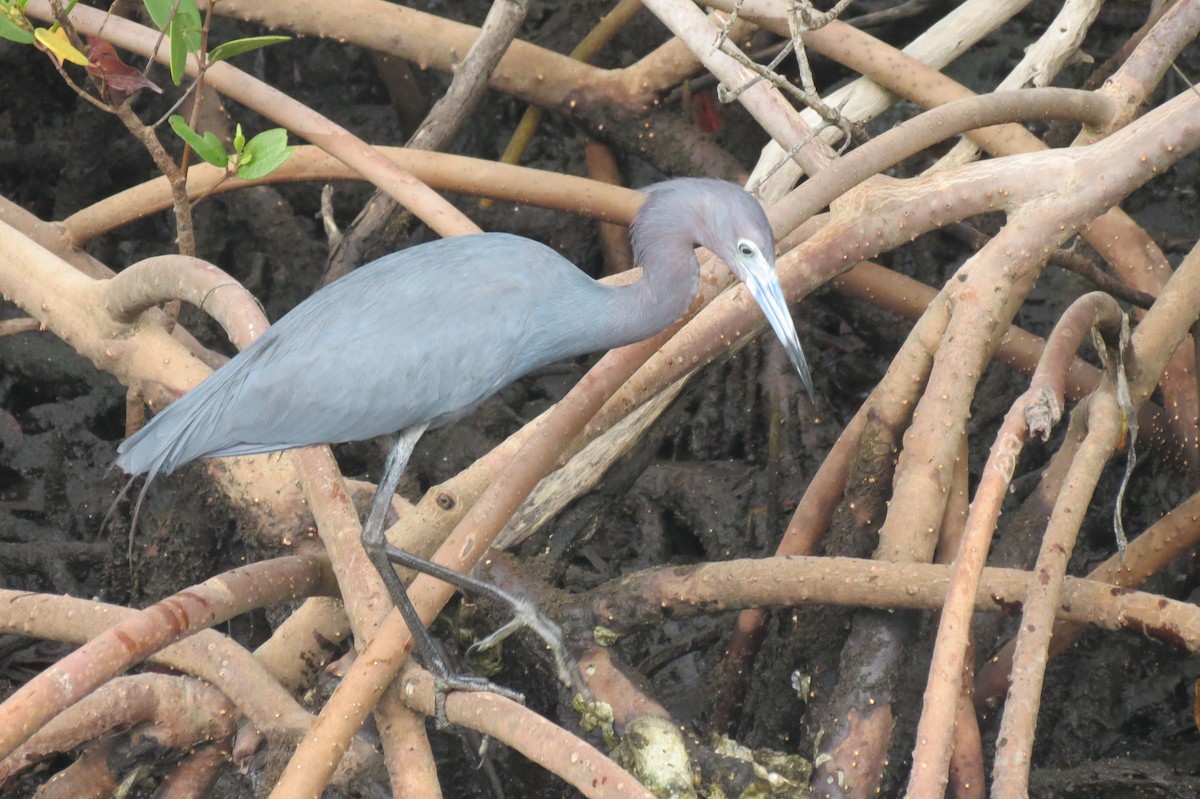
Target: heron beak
(762,280)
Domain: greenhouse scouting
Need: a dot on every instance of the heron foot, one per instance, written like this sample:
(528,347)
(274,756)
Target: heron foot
(444,683)
(525,615)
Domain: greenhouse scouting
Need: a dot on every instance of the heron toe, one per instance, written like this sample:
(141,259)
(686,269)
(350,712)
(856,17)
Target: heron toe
(443,684)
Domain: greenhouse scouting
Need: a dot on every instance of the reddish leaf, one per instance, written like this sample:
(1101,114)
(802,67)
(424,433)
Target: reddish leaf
(118,81)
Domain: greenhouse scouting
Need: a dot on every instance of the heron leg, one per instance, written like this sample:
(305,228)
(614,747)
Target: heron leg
(525,613)
(376,547)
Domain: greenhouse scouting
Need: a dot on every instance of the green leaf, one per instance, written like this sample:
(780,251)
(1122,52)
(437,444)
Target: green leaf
(160,12)
(208,146)
(178,51)
(184,28)
(239,46)
(193,26)
(11,29)
(265,153)
(239,140)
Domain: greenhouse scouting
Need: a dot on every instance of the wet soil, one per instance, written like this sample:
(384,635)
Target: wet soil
(705,483)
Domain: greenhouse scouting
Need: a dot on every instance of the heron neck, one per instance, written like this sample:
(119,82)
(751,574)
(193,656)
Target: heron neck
(669,283)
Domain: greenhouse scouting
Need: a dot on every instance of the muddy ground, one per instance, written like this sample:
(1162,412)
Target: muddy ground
(1117,715)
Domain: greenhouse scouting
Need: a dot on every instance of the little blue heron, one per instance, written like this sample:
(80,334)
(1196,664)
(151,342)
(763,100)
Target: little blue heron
(421,337)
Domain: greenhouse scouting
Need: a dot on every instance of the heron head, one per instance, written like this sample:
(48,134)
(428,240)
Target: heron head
(730,222)
(737,230)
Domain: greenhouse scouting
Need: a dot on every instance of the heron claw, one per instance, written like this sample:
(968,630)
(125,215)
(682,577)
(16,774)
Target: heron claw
(443,684)
(526,615)
(525,612)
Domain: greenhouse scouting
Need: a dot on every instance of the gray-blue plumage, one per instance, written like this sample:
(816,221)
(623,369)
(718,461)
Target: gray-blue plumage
(420,337)
(426,334)
(379,350)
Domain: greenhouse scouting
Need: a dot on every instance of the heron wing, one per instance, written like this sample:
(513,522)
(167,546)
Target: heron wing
(421,335)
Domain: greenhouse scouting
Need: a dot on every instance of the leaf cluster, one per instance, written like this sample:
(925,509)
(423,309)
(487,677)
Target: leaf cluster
(181,22)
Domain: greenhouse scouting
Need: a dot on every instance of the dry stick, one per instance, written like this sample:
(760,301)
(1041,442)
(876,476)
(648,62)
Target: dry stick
(809,199)
(195,775)
(304,643)
(146,632)
(185,711)
(206,655)
(185,233)
(432,209)
(452,173)
(412,770)
(967,773)
(657,595)
(377,665)
(863,98)
(543,742)
(1123,243)
(165,278)
(935,731)
(929,128)
(367,605)
(1014,746)
(605,29)
(614,239)
(764,101)
(499,28)
(89,777)
(52,237)
(962,356)
(1155,339)
(626,698)
(1176,534)
(1042,61)
(14,327)
(528,72)
(1135,256)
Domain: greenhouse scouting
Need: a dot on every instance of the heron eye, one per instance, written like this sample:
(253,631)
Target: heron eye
(746,249)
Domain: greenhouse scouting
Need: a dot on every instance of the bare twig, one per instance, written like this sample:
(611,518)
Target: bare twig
(444,119)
